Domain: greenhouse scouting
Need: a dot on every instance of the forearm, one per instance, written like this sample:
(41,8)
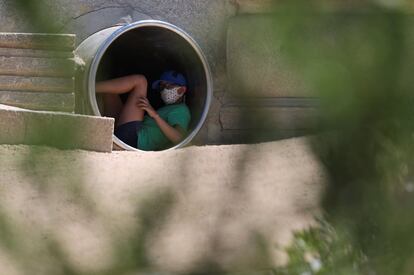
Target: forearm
(170,132)
(173,134)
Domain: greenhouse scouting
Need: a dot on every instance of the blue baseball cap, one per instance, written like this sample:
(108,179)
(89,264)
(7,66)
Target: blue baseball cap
(172,77)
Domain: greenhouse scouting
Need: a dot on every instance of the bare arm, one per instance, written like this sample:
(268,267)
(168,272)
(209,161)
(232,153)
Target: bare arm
(174,134)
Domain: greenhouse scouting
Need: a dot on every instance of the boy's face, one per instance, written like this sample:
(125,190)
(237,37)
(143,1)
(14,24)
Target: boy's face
(171,93)
(169,85)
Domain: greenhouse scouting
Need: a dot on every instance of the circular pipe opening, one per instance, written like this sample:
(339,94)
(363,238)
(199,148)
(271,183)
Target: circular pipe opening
(150,47)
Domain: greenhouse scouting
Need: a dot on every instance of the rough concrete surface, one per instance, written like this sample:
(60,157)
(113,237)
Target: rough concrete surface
(34,66)
(38,41)
(205,21)
(37,84)
(224,198)
(39,101)
(255,6)
(20,126)
(233,118)
(35,53)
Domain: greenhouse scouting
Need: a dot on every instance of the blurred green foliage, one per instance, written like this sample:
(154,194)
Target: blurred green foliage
(359,63)
(323,250)
(38,13)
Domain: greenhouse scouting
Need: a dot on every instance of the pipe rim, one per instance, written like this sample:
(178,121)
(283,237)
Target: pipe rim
(151,23)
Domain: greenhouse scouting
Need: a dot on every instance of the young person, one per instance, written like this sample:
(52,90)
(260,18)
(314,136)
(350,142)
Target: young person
(137,123)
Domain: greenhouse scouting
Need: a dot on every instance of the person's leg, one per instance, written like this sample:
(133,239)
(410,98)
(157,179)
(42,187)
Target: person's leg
(112,106)
(131,112)
(136,84)
(119,85)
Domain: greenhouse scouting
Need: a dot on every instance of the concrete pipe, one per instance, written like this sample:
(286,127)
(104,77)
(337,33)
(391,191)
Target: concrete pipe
(146,47)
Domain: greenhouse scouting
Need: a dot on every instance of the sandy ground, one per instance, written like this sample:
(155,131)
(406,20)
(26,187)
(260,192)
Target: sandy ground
(182,206)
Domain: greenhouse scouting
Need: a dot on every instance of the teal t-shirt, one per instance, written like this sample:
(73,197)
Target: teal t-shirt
(150,136)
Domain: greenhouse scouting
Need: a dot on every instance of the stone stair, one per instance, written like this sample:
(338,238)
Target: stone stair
(57,129)
(37,95)
(37,71)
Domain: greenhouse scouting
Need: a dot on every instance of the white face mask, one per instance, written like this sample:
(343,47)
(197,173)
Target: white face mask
(170,96)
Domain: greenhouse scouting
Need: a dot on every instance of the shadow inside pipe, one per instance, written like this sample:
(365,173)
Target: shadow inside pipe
(151,50)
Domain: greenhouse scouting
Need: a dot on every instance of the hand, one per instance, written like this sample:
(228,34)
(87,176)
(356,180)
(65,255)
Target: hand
(144,104)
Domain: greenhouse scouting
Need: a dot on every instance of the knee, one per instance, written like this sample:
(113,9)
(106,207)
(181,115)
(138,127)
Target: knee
(139,80)
(140,85)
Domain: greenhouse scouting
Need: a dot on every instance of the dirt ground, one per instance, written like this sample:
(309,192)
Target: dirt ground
(181,206)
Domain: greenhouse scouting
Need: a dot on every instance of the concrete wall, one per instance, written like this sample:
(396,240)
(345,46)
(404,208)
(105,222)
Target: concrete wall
(224,30)
(215,25)
(205,21)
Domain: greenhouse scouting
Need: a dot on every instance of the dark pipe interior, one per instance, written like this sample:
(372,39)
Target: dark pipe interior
(150,51)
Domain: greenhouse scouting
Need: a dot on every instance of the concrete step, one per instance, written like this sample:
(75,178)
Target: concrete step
(35,66)
(57,129)
(37,71)
(35,53)
(64,102)
(38,41)
(37,84)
